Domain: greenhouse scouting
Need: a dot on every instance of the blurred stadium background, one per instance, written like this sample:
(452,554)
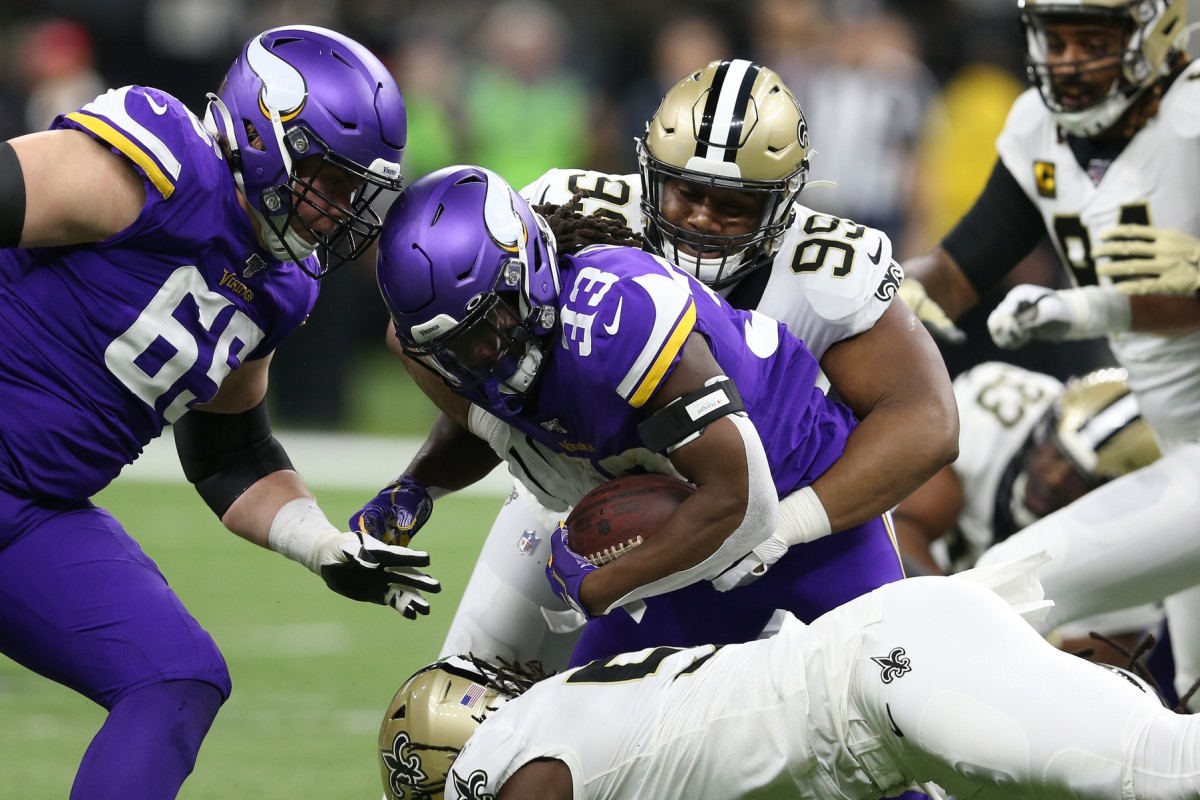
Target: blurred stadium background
(903,97)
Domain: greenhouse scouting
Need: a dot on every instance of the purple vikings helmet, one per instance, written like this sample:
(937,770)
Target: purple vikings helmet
(468,272)
(303,91)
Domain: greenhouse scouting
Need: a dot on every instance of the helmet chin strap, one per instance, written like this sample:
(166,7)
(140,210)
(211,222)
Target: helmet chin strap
(704,269)
(284,246)
(527,369)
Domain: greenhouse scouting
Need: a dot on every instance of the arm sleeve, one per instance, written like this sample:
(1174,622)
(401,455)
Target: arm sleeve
(12,197)
(223,455)
(1001,228)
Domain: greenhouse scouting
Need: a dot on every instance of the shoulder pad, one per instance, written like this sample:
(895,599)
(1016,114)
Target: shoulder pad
(840,266)
(1181,104)
(1027,113)
(550,187)
(627,317)
(608,194)
(151,128)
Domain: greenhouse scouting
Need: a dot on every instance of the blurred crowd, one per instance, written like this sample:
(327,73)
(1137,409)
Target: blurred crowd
(903,98)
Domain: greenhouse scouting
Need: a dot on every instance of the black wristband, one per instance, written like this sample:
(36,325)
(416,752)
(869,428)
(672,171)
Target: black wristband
(12,197)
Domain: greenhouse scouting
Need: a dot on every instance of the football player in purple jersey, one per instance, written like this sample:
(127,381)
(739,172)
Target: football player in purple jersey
(151,288)
(615,362)
(723,164)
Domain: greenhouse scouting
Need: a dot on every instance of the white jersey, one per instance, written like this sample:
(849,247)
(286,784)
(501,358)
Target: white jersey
(999,405)
(830,279)
(660,723)
(867,700)
(1154,181)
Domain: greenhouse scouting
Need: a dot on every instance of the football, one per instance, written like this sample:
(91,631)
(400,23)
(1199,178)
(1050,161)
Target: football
(620,514)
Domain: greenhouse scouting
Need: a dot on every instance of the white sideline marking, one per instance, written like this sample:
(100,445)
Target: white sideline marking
(326,460)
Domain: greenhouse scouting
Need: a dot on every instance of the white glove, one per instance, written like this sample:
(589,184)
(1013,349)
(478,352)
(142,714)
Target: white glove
(752,567)
(351,564)
(1153,260)
(935,319)
(1038,312)
(364,568)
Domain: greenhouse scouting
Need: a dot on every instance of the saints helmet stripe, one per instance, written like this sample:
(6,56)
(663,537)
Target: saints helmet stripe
(1107,423)
(725,110)
(710,109)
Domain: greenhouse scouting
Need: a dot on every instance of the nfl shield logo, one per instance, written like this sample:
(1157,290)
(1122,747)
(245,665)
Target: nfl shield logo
(528,543)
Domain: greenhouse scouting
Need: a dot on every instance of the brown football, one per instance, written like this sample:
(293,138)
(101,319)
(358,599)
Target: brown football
(620,514)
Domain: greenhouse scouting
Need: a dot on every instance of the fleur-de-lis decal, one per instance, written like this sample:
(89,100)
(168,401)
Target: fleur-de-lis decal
(471,787)
(895,664)
(403,765)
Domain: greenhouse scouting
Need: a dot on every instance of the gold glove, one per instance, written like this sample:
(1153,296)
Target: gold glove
(1152,260)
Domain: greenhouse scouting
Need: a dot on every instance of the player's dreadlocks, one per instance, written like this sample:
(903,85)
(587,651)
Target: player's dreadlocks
(511,679)
(1137,665)
(573,231)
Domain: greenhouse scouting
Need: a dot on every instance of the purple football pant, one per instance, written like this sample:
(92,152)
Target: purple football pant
(810,580)
(81,604)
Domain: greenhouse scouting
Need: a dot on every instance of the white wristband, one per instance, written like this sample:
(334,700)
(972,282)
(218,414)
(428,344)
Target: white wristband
(299,530)
(1096,311)
(802,518)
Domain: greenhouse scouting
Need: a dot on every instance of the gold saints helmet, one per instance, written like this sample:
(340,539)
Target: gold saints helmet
(1100,428)
(427,724)
(732,125)
(1153,29)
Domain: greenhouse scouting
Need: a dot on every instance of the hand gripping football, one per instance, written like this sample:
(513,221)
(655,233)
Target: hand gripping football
(620,514)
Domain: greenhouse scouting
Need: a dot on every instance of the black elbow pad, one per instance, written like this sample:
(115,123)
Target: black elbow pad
(223,455)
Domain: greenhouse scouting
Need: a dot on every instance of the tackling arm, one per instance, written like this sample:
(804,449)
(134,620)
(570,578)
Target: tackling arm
(451,457)
(539,779)
(894,380)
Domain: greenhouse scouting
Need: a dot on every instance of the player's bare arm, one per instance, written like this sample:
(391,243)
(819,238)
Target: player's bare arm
(453,405)
(451,457)
(103,197)
(1166,316)
(926,515)
(716,463)
(894,379)
(943,279)
(251,514)
(540,779)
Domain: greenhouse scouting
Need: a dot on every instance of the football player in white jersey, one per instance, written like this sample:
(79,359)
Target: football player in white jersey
(869,699)
(722,164)
(1029,446)
(1110,135)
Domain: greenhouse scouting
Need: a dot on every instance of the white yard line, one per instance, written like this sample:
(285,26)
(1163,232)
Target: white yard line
(326,460)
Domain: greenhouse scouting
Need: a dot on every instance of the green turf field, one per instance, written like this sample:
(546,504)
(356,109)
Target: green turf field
(312,672)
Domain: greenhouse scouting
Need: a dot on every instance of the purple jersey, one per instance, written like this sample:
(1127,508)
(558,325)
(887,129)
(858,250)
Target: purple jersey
(106,344)
(624,317)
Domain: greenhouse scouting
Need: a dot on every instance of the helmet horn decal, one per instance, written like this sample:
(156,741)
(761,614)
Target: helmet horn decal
(503,223)
(283,91)
(724,114)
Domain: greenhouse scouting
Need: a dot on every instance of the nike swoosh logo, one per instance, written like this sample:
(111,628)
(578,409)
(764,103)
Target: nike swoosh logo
(155,107)
(611,328)
(895,728)
(878,252)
